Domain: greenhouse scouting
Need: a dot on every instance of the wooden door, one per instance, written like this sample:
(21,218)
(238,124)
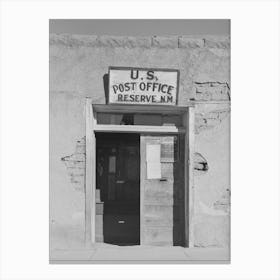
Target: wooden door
(119,183)
(162,199)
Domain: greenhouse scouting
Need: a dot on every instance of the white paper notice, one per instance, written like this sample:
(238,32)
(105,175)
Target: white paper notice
(153,161)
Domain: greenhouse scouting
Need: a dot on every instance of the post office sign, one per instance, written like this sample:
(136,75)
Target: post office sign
(146,86)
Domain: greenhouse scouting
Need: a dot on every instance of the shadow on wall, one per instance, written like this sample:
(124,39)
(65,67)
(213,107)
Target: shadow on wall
(106,87)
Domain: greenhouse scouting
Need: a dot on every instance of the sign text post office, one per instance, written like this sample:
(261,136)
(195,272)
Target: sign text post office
(143,86)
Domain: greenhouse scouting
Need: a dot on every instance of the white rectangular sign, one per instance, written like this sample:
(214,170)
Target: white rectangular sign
(143,86)
(153,161)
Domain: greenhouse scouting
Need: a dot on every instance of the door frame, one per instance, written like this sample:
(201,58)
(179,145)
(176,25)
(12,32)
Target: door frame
(188,128)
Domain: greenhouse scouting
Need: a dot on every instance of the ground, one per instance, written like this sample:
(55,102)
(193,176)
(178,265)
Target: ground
(106,253)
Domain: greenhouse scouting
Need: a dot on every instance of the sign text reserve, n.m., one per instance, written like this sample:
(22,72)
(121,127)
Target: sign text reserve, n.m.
(143,86)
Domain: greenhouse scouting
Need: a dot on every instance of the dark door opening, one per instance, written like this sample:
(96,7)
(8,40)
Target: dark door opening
(118,184)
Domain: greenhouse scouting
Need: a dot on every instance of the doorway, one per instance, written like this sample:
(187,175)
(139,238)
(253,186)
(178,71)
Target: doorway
(94,130)
(118,187)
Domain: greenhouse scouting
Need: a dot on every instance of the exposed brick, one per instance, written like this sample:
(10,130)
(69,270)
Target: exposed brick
(72,40)
(75,158)
(84,40)
(75,165)
(139,42)
(199,120)
(212,121)
(224,202)
(165,42)
(215,91)
(189,42)
(199,128)
(217,42)
(124,42)
(76,172)
(80,149)
(81,146)
(209,120)
(213,115)
(111,41)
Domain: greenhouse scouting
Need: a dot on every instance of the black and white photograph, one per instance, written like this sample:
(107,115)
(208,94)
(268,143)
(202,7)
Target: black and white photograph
(140,143)
(139,140)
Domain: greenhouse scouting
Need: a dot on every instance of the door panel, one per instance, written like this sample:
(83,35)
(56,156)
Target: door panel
(162,200)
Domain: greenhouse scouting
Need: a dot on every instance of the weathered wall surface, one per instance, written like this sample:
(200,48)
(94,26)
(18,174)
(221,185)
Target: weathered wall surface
(212,187)
(67,200)
(77,67)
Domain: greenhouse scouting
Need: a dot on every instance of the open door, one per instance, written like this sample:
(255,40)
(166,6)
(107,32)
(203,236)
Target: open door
(162,190)
(118,188)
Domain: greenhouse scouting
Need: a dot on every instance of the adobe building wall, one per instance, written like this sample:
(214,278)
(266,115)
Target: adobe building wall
(77,66)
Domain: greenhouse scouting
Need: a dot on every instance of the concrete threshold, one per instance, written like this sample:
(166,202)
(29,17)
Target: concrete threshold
(107,254)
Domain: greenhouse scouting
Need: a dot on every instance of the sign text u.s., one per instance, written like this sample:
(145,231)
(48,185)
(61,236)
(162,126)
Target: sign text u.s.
(143,86)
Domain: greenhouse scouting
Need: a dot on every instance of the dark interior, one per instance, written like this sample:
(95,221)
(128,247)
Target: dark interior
(118,180)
